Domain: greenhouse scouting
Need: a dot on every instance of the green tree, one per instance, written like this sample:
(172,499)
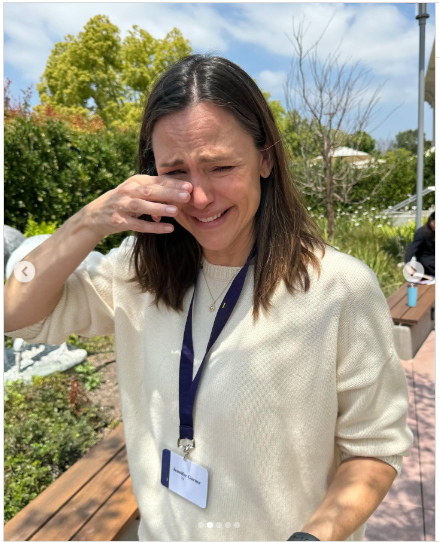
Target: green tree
(429,179)
(360,141)
(409,140)
(97,73)
(398,185)
(291,127)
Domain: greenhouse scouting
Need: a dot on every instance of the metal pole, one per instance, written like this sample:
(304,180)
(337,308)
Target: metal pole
(422,17)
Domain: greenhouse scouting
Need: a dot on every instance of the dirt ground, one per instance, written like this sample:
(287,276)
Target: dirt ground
(108,392)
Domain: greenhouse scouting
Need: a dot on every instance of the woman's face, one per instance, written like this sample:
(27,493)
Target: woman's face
(206,146)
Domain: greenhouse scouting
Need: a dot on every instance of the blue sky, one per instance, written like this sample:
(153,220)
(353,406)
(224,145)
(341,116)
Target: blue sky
(382,37)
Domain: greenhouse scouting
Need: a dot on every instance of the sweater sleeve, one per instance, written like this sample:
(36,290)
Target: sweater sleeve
(372,389)
(85,307)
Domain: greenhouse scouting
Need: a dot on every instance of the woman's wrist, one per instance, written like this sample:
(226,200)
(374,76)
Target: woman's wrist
(83,222)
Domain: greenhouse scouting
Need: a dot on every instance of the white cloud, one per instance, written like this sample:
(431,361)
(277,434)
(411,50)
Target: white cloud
(31,30)
(272,82)
(378,35)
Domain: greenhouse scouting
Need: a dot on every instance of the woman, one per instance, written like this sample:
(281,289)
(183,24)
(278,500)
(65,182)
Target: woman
(422,246)
(302,373)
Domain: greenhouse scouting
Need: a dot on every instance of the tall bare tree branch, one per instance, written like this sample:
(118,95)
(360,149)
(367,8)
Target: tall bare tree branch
(328,101)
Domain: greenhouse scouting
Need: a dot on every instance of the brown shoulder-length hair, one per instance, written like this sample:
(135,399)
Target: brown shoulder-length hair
(286,235)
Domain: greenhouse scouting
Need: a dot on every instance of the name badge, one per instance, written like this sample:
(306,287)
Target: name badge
(185,478)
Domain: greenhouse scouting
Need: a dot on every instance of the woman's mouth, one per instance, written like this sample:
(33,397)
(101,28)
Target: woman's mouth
(211,222)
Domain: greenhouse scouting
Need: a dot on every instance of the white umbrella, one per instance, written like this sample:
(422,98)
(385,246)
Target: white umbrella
(351,155)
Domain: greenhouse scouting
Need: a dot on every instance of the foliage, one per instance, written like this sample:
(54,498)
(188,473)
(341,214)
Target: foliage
(15,107)
(33,228)
(429,180)
(88,376)
(397,186)
(95,72)
(38,170)
(409,140)
(372,238)
(52,171)
(49,425)
(360,141)
(77,119)
(94,345)
(277,109)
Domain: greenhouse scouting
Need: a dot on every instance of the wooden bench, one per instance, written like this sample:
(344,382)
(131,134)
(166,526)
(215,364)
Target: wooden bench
(412,324)
(92,500)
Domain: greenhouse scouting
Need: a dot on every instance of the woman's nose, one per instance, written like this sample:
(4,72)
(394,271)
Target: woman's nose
(201,196)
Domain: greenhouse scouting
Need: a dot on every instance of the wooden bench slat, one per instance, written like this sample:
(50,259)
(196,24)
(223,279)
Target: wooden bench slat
(112,519)
(403,314)
(399,313)
(396,297)
(426,298)
(29,520)
(75,514)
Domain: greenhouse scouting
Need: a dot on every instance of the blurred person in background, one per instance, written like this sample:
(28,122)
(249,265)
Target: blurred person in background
(422,246)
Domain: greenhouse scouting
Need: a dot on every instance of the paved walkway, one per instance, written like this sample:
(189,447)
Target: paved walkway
(407,512)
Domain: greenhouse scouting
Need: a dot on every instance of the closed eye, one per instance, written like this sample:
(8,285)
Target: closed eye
(220,168)
(223,168)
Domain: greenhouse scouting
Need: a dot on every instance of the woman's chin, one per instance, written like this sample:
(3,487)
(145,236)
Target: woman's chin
(209,246)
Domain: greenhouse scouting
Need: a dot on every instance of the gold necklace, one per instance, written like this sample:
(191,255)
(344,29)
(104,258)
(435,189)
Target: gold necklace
(212,307)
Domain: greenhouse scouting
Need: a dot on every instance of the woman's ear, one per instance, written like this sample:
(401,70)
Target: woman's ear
(265,164)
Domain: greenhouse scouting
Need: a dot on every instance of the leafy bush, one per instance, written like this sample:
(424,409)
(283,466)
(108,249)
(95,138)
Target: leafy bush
(52,170)
(94,345)
(396,239)
(38,172)
(429,179)
(33,228)
(396,187)
(88,376)
(48,426)
(372,238)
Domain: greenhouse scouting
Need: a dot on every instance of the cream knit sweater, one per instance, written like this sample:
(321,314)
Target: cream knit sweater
(280,403)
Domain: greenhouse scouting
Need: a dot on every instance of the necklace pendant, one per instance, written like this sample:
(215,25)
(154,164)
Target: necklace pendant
(212,307)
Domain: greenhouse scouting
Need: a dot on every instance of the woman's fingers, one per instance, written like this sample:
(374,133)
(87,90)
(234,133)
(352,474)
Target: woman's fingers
(119,209)
(143,226)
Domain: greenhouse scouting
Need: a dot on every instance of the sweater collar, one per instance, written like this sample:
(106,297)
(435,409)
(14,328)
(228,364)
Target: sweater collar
(221,272)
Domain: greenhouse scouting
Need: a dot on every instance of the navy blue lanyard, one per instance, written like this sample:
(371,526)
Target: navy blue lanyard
(187,387)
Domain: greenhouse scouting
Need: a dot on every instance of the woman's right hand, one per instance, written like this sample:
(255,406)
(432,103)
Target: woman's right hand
(118,210)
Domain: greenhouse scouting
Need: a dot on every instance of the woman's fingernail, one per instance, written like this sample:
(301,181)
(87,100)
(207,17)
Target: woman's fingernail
(186,186)
(171,209)
(183,195)
(168,228)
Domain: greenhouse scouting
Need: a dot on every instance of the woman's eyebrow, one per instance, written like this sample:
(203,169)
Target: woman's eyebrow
(203,159)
